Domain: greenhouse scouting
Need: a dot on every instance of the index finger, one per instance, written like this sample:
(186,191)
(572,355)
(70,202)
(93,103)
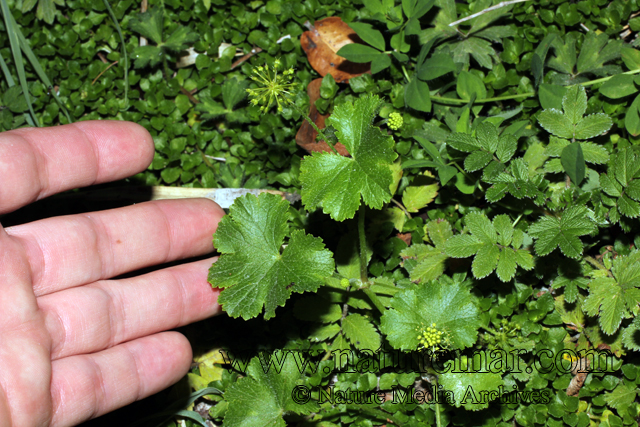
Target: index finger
(38,162)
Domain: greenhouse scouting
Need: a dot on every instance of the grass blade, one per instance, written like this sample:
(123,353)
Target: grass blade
(12,32)
(124,54)
(38,69)
(11,83)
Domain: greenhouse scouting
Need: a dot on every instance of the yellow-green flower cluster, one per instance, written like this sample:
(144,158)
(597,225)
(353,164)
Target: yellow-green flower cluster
(395,121)
(430,337)
(273,87)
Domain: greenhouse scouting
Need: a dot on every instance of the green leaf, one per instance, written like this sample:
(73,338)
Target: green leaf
(593,125)
(596,50)
(485,261)
(429,267)
(439,232)
(487,136)
(631,335)
(360,332)
(632,117)
(233,92)
(552,232)
(594,153)
(253,269)
(506,268)
(610,185)
(624,165)
(148,24)
(379,63)
(571,124)
(574,103)
(370,35)
(462,246)
(358,53)
(416,95)
(436,66)
(573,162)
(481,228)
(46,10)
(623,395)
(14,99)
(507,146)
(180,39)
(463,142)
(502,224)
(328,87)
(415,198)
(551,96)
(451,307)
(618,86)
(260,399)
(468,84)
(147,55)
(337,183)
(524,259)
(477,160)
(471,387)
(554,122)
(606,300)
(631,58)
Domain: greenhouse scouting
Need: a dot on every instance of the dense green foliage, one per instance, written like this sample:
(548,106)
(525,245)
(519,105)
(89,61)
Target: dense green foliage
(513,225)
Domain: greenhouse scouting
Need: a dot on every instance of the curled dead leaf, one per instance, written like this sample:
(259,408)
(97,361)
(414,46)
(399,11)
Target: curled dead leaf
(322,42)
(306,136)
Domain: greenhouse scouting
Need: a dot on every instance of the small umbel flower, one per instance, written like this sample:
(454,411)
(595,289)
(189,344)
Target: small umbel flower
(395,121)
(430,338)
(273,87)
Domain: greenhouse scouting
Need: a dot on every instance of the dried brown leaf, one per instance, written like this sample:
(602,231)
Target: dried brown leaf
(322,42)
(306,136)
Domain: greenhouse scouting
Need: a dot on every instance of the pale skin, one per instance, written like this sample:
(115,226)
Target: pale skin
(74,344)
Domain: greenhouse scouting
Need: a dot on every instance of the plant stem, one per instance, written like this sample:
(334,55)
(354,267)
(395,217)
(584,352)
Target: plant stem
(363,245)
(435,391)
(401,207)
(604,79)
(444,100)
(591,260)
(375,300)
(311,122)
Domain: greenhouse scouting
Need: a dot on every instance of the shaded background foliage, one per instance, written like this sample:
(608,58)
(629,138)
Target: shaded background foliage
(504,67)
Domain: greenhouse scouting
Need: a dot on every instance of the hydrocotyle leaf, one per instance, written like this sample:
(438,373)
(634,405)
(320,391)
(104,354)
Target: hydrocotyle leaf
(253,269)
(338,183)
(262,397)
(451,307)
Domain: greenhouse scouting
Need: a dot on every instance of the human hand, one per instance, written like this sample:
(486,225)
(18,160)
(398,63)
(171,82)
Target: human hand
(73,344)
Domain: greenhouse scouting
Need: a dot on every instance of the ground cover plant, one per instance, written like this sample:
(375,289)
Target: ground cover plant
(465,250)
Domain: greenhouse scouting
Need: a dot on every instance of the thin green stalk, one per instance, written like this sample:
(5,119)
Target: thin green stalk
(604,79)
(33,60)
(444,100)
(375,300)
(363,245)
(306,116)
(12,30)
(124,54)
(435,390)
(11,83)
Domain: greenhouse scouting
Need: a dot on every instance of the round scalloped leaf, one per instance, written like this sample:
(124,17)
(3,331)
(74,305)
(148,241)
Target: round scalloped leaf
(450,306)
